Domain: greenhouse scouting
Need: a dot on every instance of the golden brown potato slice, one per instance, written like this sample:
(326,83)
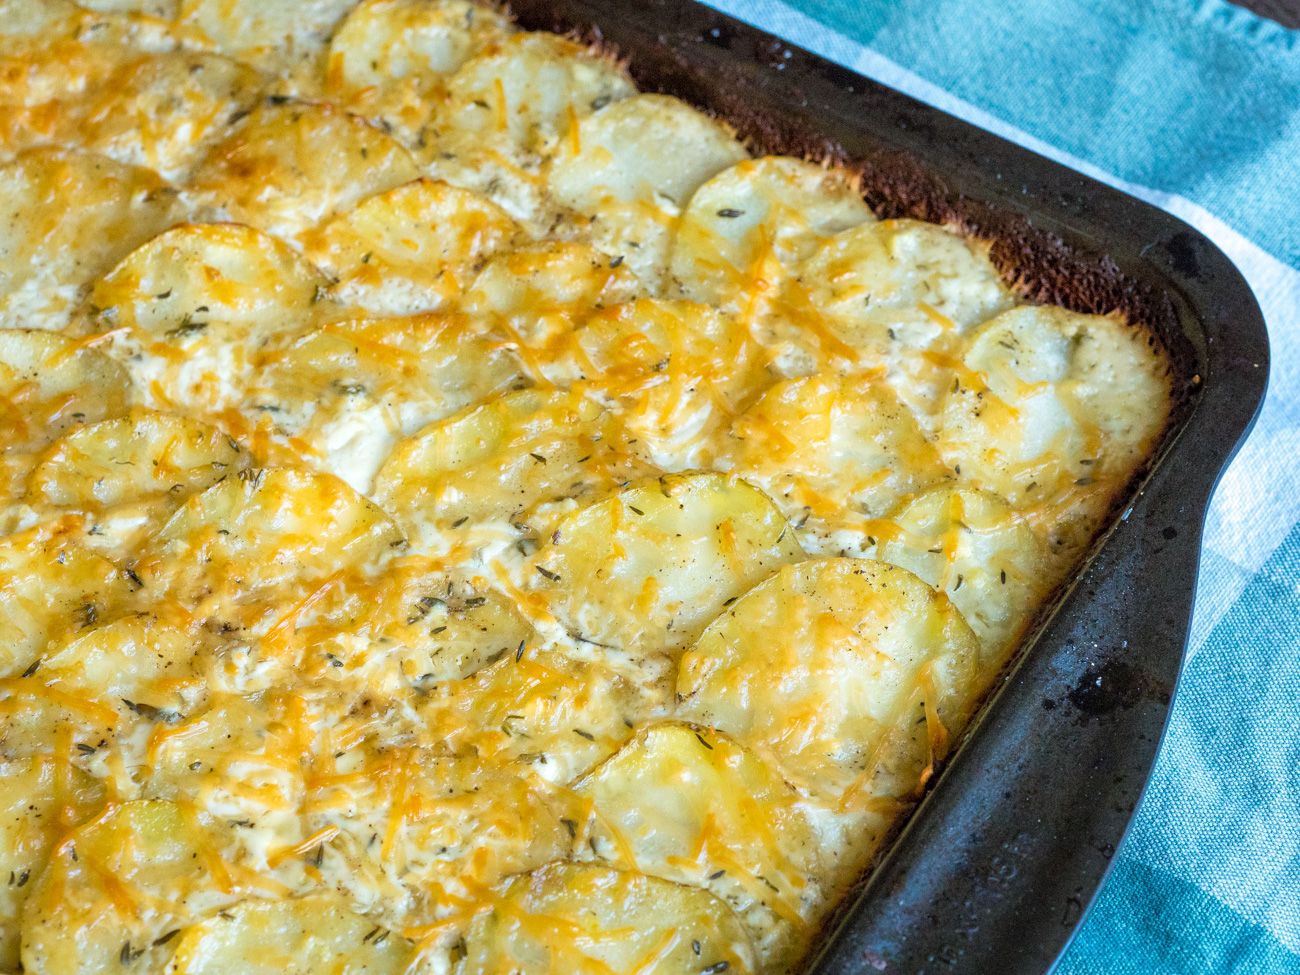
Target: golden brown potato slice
(411,249)
(53,588)
(1052,411)
(390,58)
(632,166)
(128,474)
(837,454)
(817,666)
(994,568)
(250,547)
(39,802)
(589,920)
(302,936)
(749,225)
(140,872)
(291,165)
(692,806)
(640,574)
(514,463)
(65,218)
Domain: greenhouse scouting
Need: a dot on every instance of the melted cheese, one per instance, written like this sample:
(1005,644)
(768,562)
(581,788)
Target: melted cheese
(364,557)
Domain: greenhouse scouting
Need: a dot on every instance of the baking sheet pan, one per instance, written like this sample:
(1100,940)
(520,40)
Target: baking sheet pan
(996,868)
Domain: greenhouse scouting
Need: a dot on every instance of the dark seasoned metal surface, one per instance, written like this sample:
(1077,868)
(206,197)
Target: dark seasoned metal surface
(998,865)
(1285,12)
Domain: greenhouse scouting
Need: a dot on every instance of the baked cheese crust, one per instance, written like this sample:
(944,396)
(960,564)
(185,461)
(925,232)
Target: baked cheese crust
(459,515)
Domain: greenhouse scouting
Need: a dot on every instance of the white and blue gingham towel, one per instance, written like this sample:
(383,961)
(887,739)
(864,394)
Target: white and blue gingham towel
(1193,105)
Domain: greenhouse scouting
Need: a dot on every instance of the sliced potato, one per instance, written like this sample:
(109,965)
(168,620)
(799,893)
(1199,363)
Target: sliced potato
(641,574)
(128,474)
(302,936)
(411,249)
(291,165)
(390,57)
(142,870)
(817,666)
(282,37)
(67,217)
(349,389)
(1053,411)
(747,226)
(589,920)
(162,9)
(165,110)
(994,568)
(632,166)
(251,546)
(690,805)
(52,588)
(38,804)
(517,459)
(836,454)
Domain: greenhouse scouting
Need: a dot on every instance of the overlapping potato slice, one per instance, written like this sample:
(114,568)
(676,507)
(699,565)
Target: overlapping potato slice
(286,38)
(640,574)
(690,805)
(164,110)
(197,300)
(510,103)
(250,547)
(632,166)
(42,798)
(291,165)
(301,936)
(117,888)
(820,664)
(67,217)
(518,460)
(837,454)
(162,9)
(411,249)
(749,225)
(53,588)
(126,475)
(390,58)
(347,390)
(590,920)
(994,568)
(1053,410)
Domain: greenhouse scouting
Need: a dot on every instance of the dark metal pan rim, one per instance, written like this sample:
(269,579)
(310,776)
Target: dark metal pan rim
(999,863)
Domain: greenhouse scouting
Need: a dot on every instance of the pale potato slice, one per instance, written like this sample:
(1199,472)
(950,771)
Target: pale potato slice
(162,9)
(33,806)
(349,389)
(65,218)
(641,574)
(283,37)
(817,666)
(412,249)
(690,805)
(541,292)
(251,546)
(749,225)
(141,871)
(1053,411)
(510,103)
(390,58)
(632,166)
(589,920)
(836,454)
(515,460)
(128,474)
(165,111)
(994,568)
(302,936)
(52,588)
(197,300)
(291,165)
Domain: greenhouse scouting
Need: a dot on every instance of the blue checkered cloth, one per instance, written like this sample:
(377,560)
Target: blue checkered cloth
(1193,105)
